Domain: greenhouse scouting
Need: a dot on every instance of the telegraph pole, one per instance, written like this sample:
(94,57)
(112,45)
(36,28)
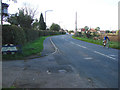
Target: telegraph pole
(76,22)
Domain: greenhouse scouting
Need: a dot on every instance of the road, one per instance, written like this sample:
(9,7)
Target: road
(65,63)
(94,62)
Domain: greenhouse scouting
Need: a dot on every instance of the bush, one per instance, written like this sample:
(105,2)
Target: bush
(13,34)
(88,35)
(78,34)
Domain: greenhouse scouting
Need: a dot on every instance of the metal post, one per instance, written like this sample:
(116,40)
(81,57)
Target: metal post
(76,23)
(45,15)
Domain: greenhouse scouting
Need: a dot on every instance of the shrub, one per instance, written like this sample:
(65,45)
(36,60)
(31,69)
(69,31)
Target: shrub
(13,34)
(88,35)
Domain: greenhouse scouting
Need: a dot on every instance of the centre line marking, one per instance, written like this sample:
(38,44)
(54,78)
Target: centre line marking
(79,45)
(105,55)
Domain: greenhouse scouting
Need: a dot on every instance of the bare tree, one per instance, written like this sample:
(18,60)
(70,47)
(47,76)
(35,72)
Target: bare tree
(29,10)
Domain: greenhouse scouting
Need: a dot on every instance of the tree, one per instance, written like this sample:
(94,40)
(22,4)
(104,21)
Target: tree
(71,31)
(86,28)
(107,31)
(22,19)
(97,28)
(29,10)
(55,27)
(36,25)
(12,19)
(42,25)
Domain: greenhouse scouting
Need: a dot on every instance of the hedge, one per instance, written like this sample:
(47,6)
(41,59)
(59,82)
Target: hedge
(31,35)
(13,34)
(18,36)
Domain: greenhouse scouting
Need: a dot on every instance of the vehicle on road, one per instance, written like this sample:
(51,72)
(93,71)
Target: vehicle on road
(106,41)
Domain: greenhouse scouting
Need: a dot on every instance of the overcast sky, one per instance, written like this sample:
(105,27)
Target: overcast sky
(92,13)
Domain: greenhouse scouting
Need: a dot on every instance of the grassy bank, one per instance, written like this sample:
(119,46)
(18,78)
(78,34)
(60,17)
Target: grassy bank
(28,49)
(99,42)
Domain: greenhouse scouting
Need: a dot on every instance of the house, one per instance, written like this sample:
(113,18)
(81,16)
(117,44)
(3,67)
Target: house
(91,30)
(82,30)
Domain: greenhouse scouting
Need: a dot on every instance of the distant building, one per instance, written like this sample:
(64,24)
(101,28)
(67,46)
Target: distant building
(92,30)
(102,31)
(82,30)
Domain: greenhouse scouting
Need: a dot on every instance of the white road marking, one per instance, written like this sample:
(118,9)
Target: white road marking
(105,55)
(56,49)
(81,46)
(78,45)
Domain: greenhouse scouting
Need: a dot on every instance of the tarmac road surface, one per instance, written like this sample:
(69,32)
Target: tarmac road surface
(65,63)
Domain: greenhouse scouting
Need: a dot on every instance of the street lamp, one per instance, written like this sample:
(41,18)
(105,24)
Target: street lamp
(45,14)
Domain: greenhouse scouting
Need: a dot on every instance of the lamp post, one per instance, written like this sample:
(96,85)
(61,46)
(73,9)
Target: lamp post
(45,15)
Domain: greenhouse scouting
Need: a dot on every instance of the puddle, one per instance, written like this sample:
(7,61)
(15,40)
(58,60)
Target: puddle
(88,58)
(62,71)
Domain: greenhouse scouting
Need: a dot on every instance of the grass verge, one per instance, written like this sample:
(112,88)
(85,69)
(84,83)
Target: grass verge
(99,42)
(28,49)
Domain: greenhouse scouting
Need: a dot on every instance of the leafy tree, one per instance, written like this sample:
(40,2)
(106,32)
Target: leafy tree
(97,28)
(24,20)
(55,27)
(36,25)
(107,31)
(86,28)
(71,31)
(21,19)
(13,19)
(42,25)
(24,17)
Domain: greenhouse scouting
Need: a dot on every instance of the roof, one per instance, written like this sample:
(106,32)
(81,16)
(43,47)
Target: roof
(92,30)
(82,29)
(4,5)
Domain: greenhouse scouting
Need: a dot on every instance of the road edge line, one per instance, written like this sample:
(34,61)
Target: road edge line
(54,46)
